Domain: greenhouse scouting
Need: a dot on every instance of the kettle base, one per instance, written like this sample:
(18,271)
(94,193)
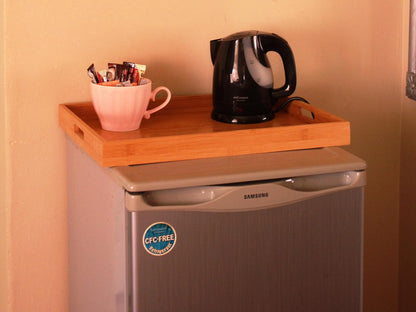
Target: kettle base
(234,119)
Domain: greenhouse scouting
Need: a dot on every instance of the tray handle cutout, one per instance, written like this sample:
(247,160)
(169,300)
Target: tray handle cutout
(79,132)
(310,114)
(307,113)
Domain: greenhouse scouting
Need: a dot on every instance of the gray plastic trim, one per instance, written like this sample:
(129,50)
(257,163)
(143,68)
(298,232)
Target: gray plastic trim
(244,197)
(235,169)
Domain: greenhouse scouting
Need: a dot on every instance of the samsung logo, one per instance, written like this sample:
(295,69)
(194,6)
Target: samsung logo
(256,195)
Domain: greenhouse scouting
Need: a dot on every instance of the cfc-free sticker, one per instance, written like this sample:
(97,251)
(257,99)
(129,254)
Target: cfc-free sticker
(159,239)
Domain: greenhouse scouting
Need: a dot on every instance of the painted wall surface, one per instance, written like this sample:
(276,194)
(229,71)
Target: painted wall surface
(348,55)
(3,175)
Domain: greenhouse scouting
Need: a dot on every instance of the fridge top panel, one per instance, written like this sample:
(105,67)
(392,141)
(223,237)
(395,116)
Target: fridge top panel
(234,169)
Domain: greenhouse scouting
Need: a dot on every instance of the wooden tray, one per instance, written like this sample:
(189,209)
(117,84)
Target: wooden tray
(185,130)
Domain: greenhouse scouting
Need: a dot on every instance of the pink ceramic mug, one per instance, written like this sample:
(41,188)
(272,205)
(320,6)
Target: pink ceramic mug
(123,108)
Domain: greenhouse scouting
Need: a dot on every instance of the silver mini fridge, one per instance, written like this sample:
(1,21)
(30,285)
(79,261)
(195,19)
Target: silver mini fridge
(279,232)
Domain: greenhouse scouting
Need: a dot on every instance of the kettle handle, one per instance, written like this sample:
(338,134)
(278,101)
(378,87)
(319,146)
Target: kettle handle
(273,42)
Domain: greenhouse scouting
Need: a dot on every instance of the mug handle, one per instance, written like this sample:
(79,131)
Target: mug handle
(153,98)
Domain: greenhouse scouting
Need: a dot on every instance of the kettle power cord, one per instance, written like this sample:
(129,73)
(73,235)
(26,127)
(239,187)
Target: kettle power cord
(288,101)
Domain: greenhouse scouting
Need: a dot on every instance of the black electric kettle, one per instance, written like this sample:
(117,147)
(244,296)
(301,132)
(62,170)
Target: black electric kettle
(242,88)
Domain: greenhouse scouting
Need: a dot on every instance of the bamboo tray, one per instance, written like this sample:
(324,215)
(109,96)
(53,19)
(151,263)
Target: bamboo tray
(185,130)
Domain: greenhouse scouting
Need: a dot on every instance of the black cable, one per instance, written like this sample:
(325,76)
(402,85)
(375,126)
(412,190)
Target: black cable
(287,102)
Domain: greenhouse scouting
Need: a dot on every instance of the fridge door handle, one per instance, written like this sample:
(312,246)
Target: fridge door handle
(185,196)
(321,182)
(245,196)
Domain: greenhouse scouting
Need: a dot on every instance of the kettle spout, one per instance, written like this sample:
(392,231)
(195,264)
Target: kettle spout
(214,44)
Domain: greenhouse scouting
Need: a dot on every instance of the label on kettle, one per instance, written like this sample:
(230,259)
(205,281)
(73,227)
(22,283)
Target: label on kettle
(159,239)
(240,98)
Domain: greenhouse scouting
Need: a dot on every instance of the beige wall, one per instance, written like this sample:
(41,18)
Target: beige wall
(3,175)
(348,54)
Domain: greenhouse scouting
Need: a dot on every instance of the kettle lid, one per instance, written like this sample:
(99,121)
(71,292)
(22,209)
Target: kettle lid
(240,35)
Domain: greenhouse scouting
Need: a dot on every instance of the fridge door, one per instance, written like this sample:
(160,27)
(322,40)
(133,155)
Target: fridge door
(268,246)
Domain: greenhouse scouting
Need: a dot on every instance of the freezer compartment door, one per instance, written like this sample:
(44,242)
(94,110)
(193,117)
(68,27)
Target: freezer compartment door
(303,256)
